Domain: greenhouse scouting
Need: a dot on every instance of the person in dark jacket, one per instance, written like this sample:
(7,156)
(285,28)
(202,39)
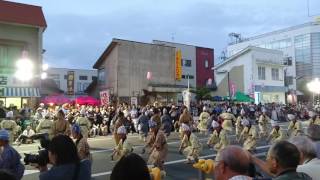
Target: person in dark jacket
(166,122)
(143,124)
(63,155)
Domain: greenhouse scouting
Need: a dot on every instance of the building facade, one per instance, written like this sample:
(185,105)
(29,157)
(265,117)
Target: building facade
(254,71)
(204,66)
(21,30)
(300,46)
(82,79)
(134,69)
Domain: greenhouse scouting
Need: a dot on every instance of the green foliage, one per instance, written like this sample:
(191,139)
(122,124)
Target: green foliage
(202,93)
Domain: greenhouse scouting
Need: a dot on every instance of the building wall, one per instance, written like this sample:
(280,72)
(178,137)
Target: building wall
(59,75)
(21,38)
(188,53)
(136,59)
(287,44)
(204,71)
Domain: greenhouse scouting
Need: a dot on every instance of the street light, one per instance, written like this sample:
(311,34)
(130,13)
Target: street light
(314,86)
(24,69)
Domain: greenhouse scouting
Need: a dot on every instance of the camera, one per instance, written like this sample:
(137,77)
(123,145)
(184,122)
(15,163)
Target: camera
(42,157)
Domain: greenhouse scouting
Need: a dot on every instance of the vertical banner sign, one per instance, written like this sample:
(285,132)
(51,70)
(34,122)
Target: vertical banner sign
(3,84)
(70,82)
(178,65)
(233,89)
(104,97)
(134,101)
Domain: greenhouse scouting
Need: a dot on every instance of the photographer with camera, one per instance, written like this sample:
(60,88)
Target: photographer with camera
(9,157)
(64,157)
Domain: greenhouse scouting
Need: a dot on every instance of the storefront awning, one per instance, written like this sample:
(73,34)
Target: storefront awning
(20,92)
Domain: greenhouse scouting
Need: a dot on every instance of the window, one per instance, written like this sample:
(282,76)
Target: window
(101,76)
(288,80)
(302,48)
(8,57)
(275,74)
(83,78)
(288,61)
(94,78)
(65,77)
(186,76)
(187,62)
(206,63)
(79,87)
(261,73)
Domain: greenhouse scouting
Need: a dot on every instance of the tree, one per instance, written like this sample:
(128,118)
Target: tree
(202,93)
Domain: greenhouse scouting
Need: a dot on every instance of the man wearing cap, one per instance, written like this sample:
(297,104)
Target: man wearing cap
(250,135)
(158,146)
(81,143)
(45,125)
(277,133)
(190,145)
(9,157)
(314,118)
(219,137)
(239,126)
(203,119)
(10,125)
(263,122)
(124,147)
(84,123)
(295,127)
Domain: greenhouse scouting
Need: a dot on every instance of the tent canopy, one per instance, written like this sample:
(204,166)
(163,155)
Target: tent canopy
(241,97)
(82,100)
(57,99)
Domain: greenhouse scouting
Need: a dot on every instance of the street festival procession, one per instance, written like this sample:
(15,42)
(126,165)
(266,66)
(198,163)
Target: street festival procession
(77,103)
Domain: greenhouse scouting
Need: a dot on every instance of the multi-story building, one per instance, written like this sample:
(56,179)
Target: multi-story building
(21,30)
(197,63)
(300,46)
(254,71)
(82,79)
(134,69)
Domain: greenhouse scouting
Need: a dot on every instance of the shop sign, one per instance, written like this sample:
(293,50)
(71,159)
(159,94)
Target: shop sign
(178,65)
(70,83)
(134,101)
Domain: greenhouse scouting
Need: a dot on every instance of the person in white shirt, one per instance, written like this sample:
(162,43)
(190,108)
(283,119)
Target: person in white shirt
(26,136)
(309,163)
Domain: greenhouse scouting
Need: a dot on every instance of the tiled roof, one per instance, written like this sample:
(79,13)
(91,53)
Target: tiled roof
(18,13)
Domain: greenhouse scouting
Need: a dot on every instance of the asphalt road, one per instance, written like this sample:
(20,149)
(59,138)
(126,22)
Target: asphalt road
(175,166)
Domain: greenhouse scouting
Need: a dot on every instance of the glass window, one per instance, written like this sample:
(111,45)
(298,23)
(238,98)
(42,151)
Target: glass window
(187,63)
(261,73)
(54,76)
(79,87)
(302,48)
(101,76)
(65,76)
(206,63)
(94,78)
(288,80)
(83,78)
(275,74)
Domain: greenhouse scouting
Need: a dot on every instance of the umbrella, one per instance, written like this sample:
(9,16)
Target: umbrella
(57,99)
(87,100)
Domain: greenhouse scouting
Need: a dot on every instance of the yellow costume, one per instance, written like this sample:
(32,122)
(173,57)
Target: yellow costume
(316,121)
(278,135)
(122,149)
(263,122)
(251,138)
(203,120)
(219,140)
(295,128)
(239,126)
(192,146)
(228,120)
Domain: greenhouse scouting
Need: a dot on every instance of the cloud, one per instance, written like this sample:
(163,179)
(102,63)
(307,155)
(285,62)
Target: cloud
(79,32)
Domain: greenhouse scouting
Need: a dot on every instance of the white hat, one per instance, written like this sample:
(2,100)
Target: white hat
(185,127)
(9,114)
(311,113)
(291,117)
(204,108)
(121,130)
(229,110)
(215,124)
(83,111)
(245,122)
(242,112)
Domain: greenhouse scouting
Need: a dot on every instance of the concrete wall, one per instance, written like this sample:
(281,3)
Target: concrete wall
(110,66)
(24,37)
(204,73)
(188,52)
(136,59)
(61,72)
